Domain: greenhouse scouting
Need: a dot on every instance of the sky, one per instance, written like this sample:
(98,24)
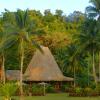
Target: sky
(68,6)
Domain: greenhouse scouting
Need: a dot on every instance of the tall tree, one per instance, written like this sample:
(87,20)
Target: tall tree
(94,9)
(89,39)
(20,36)
(4,45)
(73,61)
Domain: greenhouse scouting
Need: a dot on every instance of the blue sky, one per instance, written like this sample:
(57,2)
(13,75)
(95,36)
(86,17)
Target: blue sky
(68,6)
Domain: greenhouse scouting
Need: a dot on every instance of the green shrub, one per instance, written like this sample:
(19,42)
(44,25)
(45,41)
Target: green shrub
(93,85)
(26,89)
(88,91)
(8,90)
(78,90)
(37,89)
(64,88)
(50,89)
(97,89)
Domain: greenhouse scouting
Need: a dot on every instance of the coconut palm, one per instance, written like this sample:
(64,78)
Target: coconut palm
(73,61)
(94,9)
(89,39)
(2,50)
(20,37)
(5,44)
(5,41)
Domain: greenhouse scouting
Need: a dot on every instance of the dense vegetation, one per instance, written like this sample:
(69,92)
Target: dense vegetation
(74,40)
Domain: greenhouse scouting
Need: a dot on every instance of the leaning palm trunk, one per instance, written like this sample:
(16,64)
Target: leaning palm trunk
(3,69)
(94,71)
(21,73)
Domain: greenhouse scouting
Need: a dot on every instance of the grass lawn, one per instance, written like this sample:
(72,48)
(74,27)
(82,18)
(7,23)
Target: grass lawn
(57,97)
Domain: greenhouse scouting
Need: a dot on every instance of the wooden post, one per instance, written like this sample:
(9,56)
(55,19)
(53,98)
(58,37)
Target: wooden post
(44,88)
(30,90)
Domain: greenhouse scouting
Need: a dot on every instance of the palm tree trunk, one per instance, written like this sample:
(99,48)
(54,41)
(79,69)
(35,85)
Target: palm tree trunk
(99,65)
(3,69)
(88,76)
(74,78)
(21,65)
(89,62)
(94,72)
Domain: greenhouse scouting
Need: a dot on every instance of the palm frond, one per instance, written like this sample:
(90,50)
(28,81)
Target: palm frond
(95,3)
(19,18)
(7,43)
(91,9)
(25,17)
(94,9)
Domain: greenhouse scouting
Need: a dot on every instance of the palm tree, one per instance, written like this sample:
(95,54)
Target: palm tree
(3,58)
(21,37)
(89,39)
(73,60)
(94,10)
(5,44)
(99,65)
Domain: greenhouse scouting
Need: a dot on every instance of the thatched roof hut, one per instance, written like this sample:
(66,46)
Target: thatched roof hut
(43,67)
(13,75)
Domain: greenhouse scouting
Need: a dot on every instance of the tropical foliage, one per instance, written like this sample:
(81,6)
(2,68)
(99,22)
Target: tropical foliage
(74,41)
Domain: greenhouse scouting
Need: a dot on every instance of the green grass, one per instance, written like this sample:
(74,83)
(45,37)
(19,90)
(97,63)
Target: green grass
(57,97)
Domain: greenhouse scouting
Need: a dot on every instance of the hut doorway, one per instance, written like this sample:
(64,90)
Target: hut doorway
(57,86)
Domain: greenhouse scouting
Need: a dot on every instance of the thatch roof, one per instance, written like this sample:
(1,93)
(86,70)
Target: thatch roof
(13,74)
(43,67)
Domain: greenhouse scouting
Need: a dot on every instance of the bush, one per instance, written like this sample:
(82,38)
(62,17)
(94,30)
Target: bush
(64,88)
(87,91)
(97,89)
(50,89)
(8,90)
(26,89)
(93,85)
(37,89)
(78,90)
